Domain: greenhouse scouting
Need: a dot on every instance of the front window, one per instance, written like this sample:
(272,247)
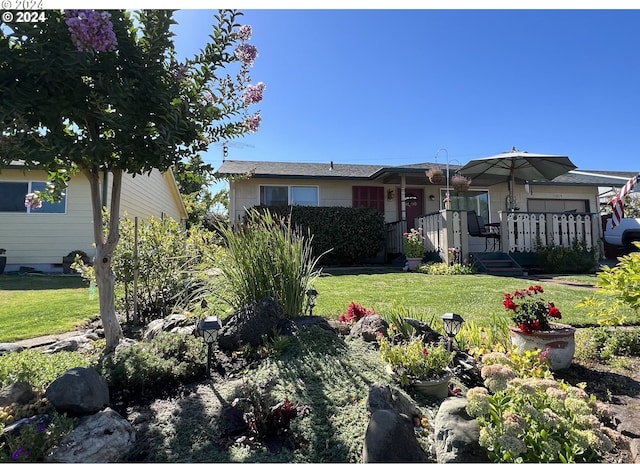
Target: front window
(368,197)
(282,195)
(12,195)
(470,200)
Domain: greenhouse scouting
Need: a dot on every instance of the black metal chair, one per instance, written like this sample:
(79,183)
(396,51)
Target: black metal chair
(477,228)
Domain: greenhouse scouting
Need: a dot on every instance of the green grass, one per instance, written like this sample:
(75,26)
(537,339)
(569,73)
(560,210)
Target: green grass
(36,305)
(475,297)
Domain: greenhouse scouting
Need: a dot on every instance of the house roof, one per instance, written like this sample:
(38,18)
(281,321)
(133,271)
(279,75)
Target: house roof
(414,173)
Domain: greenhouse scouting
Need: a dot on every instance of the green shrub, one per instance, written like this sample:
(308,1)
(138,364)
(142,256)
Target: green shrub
(161,364)
(168,259)
(35,440)
(341,235)
(268,257)
(37,368)
(445,269)
(576,259)
(603,344)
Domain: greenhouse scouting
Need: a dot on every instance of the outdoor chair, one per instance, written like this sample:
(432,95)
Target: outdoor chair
(477,228)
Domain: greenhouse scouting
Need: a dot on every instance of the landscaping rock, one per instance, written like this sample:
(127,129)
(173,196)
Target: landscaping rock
(102,437)
(18,392)
(293,325)
(387,397)
(249,324)
(6,348)
(390,438)
(457,434)
(368,328)
(168,324)
(79,391)
(77,343)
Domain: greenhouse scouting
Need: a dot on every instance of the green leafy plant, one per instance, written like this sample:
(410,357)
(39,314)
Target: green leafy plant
(445,269)
(415,360)
(556,259)
(34,440)
(414,243)
(528,311)
(538,420)
(396,315)
(622,282)
(163,363)
(38,368)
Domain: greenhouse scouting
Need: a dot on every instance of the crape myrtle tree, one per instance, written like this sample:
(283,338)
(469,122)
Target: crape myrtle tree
(102,92)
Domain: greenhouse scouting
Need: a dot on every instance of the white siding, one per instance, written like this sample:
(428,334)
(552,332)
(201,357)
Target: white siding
(33,239)
(151,195)
(41,240)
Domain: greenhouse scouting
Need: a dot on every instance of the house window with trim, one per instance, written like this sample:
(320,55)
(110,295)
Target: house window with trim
(368,197)
(470,200)
(283,195)
(12,196)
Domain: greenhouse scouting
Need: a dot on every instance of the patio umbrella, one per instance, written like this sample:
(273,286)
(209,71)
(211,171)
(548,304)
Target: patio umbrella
(517,165)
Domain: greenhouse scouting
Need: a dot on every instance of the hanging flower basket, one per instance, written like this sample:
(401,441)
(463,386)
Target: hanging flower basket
(460,183)
(435,175)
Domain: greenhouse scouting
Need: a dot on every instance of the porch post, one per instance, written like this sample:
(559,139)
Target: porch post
(403,202)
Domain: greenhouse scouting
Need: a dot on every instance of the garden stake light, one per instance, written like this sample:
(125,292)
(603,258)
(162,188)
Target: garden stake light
(312,296)
(452,324)
(209,327)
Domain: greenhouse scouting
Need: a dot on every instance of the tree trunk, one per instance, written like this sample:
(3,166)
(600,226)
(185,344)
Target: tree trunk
(105,247)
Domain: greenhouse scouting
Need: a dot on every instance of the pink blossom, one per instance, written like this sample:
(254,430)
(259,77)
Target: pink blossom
(253,122)
(91,30)
(253,94)
(246,53)
(31,200)
(245,31)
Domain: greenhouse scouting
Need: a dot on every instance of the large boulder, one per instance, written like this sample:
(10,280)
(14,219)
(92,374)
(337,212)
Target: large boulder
(248,325)
(390,435)
(390,438)
(102,437)
(369,327)
(457,433)
(79,391)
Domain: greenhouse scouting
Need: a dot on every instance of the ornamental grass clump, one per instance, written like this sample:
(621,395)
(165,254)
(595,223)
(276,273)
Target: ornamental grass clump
(529,311)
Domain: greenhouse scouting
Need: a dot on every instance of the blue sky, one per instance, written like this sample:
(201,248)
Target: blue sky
(395,86)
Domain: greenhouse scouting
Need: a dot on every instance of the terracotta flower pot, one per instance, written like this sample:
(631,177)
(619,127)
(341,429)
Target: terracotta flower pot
(560,341)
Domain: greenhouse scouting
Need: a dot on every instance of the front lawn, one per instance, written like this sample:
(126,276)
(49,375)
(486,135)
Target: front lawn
(36,305)
(476,297)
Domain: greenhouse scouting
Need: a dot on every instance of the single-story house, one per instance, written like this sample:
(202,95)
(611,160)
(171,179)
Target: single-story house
(559,210)
(39,238)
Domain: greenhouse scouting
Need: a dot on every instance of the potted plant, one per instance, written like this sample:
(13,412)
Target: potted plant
(460,183)
(69,259)
(423,366)
(414,247)
(3,259)
(532,328)
(435,175)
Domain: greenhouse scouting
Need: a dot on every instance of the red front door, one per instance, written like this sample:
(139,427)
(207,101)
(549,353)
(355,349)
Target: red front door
(415,205)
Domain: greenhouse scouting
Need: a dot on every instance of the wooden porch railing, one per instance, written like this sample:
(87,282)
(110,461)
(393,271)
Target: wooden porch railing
(520,231)
(395,237)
